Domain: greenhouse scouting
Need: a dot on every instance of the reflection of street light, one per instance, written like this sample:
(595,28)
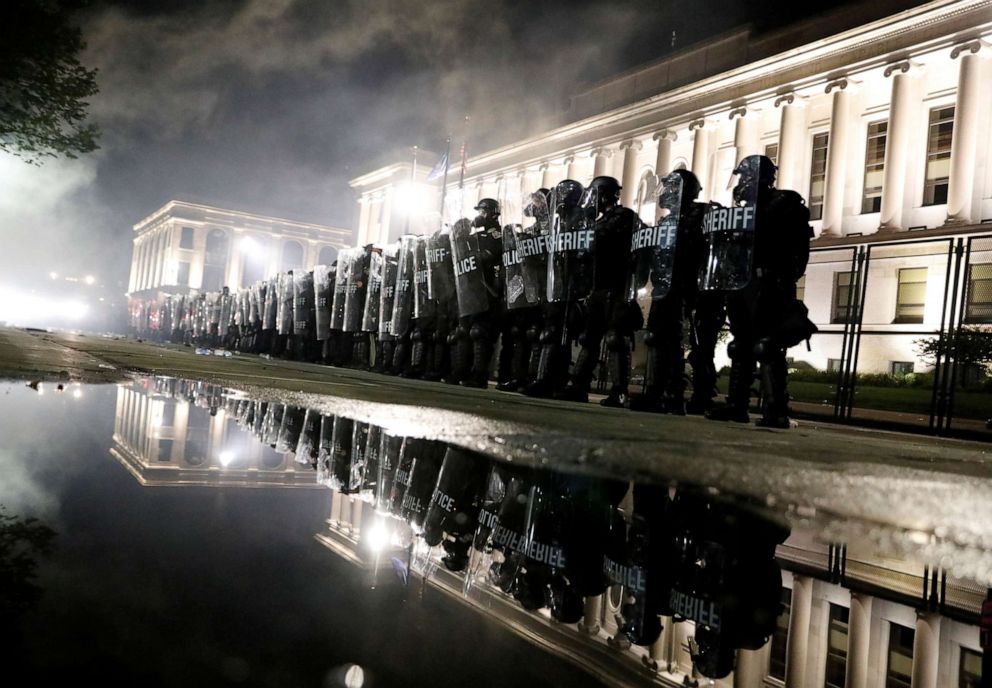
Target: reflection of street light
(378,537)
(77,393)
(89,279)
(53,275)
(226,457)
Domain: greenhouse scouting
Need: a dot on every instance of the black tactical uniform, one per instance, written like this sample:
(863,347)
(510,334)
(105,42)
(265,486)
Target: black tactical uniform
(765,317)
(607,311)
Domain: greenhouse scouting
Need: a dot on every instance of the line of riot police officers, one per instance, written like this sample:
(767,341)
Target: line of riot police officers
(580,274)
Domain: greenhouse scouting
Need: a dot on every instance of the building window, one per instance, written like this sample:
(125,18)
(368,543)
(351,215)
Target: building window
(836,648)
(911,295)
(979,306)
(182,274)
(938,155)
(970,669)
(801,288)
(327,255)
(647,192)
(165,450)
(215,260)
(871,201)
(900,368)
(186,238)
(818,175)
(292,256)
(842,295)
(771,151)
(834,364)
(776,665)
(899,670)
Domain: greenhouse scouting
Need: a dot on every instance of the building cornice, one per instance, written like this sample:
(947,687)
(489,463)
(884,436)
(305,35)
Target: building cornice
(175,207)
(804,68)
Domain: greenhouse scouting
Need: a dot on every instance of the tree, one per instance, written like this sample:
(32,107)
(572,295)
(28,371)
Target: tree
(968,346)
(43,85)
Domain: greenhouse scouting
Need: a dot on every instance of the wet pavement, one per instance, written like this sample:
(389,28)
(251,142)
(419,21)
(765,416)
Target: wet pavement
(161,545)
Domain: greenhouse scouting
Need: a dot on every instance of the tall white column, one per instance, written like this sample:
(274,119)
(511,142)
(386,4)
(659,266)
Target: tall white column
(701,154)
(547,176)
(858,640)
(590,615)
(749,672)
(386,219)
(663,160)
(745,134)
(964,138)
(133,278)
(629,181)
(571,170)
(926,650)
(363,220)
(791,140)
(798,642)
(836,176)
(601,155)
(901,117)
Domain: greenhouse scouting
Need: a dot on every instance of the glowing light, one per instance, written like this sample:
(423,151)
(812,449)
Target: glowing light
(354,677)
(89,279)
(412,198)
(226,457)
(53,275)
(378,537)
(77,393)
(21,308)
(252,248)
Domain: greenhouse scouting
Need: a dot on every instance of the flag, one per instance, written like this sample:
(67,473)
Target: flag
(440,169)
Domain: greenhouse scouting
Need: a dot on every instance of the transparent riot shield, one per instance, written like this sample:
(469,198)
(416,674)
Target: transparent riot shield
(390,264)
(302,299)
(340,292)
(403,300)
(255,303)
(571,245)
(354,304)
(469,268)
(652,247)
(224,319)
(728,238)
(270,308)
(322,300)
(423,305)
(284,318)
(373,293)
(440,269)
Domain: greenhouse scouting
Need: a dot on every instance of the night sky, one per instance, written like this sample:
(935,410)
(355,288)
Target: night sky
(272,105)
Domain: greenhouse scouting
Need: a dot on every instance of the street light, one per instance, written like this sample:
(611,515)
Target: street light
(89,279)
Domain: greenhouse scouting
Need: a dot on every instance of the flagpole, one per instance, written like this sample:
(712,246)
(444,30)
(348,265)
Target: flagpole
(444,181)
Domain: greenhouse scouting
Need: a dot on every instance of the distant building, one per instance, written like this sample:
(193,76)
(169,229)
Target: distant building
(188,246)
(881,123)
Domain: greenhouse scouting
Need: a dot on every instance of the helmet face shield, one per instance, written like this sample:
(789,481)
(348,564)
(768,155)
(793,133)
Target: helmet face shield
(590,199)
(670,196)
(567,194)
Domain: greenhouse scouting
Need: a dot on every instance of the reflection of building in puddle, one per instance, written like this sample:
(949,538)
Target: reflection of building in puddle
(179,432)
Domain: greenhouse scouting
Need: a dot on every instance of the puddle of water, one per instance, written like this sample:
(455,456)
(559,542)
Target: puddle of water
(412,560)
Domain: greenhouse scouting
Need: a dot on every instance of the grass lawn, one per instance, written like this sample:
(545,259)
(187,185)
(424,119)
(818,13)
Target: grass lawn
(967,404)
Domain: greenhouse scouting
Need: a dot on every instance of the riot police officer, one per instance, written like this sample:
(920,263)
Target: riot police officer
(608,312)
(765,316)
(672,271)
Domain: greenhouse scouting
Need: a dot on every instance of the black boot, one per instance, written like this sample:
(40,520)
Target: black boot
(739,391)
(482,353)
(618,365)
(578,387)
(461,358)
(774,376)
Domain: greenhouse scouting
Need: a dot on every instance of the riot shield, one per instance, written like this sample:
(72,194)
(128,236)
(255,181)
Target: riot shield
(373,293)
(255,304)
(224,317)
(354,303)
(302,297)
(387,294)
(403,300)
(341,453)
(440,269)
(359,452)
(290,428)
(370,466)
(653,245)
(423,478)
(322,296)
(324,450)
(389,456)
(308,446)
(423,305)
(572,248)
(471,287)
(284,316)
(340,294)
(525,256)
(456,500)
(270,309)
(728,240)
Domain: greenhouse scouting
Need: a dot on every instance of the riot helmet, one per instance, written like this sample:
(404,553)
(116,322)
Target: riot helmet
(488,209)
(753,172)
(537,206)
(461,229)
(568,194)
(690,188)
(602,193)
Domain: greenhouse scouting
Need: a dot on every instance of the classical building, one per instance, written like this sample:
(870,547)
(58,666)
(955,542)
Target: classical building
(882,125)
(187,246)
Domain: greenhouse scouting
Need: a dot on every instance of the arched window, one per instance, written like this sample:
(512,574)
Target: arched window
(292,256)
(647,196)
(255,250)
(215,259)
(327,255)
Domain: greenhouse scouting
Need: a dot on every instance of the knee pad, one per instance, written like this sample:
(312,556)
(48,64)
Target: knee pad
(515,331)
(581,339)
(453,337)
(732,349)
(765,350)
(650,338)
(460,332)
(613,341)
(533,333)
(417,335)
(548,335)
(477,332)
